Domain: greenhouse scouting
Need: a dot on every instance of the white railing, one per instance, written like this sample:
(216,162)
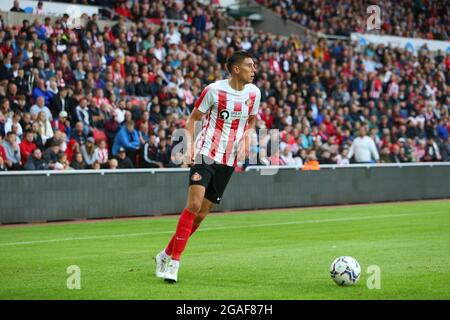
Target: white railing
(250,168)
(99,171)
(356,165)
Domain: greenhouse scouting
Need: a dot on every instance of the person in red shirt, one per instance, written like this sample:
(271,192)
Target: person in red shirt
(61,123)
(267,117)
(123,11)
(72,148)
(27,146)
(2,150)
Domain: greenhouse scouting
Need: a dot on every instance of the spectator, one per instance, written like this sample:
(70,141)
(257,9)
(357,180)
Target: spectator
(39,10)
(35,161)
(343,157)
(41,91)
(40,107)
(88,151)
(445,151)
(78,133)
(14,122)
(151,154)
(45,128)
(27,146)
(123,161)
(62,164)
(431,151)
(72,148)
(59,103)
(2,150)
(143,133)
(51,154)
(12,152)
(311,162)
(101,154)
(385,156)
(363,148)
(84,115)
(2,165)
(128,139)
(16,7)
(95,166)
(78,162)
(62,124)
(113,164)
(286,157)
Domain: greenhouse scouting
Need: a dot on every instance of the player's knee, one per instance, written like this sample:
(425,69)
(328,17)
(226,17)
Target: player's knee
(194,206)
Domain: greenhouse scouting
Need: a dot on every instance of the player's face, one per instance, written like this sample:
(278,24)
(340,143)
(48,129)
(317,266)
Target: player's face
(247,70)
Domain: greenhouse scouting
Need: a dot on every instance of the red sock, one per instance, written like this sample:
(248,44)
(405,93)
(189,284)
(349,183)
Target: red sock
(182,233)
(169,247)
(194,228)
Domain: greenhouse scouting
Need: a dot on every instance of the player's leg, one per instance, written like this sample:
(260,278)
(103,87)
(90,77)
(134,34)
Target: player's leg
(185,224)
(199,178)
(204,210)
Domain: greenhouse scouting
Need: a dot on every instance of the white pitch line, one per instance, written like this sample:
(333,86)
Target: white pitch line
(125,235)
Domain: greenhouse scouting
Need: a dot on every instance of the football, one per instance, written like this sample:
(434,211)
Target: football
(345,271)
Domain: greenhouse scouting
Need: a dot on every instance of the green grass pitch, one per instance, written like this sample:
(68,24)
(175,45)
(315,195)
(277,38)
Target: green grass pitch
(284,254)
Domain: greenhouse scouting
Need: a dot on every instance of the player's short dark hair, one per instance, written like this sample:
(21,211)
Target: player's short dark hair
(237,58)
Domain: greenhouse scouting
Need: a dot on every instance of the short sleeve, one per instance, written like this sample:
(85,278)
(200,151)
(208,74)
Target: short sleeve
(255,108)
(206,100)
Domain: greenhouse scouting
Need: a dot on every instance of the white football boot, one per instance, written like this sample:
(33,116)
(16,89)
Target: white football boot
(171,274)
(162,261)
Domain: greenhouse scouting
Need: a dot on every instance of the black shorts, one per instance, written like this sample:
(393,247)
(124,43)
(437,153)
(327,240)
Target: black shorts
(213,176)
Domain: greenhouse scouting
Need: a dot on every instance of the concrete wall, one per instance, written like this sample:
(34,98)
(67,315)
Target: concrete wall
(40,196)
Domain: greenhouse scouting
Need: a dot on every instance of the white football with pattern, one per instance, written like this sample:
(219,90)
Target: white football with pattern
(345,271)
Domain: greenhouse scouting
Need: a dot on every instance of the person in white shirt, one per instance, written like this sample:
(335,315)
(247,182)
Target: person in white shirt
(38,107)
(101,153)
(45,128)
(363,148)
(343,158)
(286,157)
(229,108)
(39,10)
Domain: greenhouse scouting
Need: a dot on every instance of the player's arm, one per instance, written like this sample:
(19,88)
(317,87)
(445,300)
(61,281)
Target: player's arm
(195,116)
(202,106)
(244,145)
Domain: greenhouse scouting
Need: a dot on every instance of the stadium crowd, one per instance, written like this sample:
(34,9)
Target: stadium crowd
(405,18)
(90,98)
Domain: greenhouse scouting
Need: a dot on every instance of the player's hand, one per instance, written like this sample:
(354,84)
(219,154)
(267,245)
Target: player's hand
(188,157)
(243,149)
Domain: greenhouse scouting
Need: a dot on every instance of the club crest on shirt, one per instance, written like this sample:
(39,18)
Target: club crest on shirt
(196,177)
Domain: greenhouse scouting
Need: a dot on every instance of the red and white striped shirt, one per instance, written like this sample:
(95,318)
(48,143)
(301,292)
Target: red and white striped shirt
(227,117)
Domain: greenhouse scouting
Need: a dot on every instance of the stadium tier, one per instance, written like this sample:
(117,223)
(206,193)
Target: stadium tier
(405,18)
(81,97)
